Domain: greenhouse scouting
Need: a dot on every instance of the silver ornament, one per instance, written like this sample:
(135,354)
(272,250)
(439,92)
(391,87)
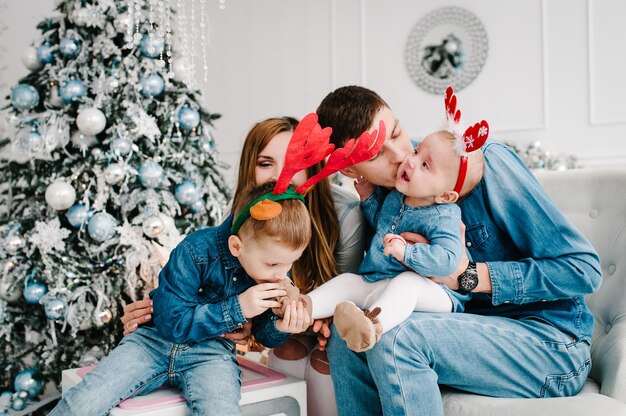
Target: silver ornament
(10,291)
(153,226)
(105,316)
(14,243)
(114,173)
(29,59)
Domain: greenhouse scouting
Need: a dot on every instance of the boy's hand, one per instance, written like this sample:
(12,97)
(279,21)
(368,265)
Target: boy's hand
(364,188)
(260,298)
(394,245)
(295,320)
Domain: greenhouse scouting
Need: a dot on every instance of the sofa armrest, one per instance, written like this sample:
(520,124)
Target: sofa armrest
(594,200)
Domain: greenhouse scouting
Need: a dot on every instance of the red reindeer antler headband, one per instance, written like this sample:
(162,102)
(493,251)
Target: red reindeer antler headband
(310,144)
(473,138)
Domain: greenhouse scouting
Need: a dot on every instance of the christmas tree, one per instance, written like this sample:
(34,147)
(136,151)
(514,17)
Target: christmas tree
(107,161)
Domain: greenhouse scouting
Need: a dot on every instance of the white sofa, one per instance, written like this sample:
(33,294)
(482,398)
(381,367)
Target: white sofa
(595,202)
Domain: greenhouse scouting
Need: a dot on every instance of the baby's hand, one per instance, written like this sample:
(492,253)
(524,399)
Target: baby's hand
(296,319)
(364,188)
(394,245)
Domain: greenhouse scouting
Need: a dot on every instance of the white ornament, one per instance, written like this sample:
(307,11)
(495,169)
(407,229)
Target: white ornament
(123,22)
(29,59)
(60,195)
(181,69)
(91,121)
(153,226)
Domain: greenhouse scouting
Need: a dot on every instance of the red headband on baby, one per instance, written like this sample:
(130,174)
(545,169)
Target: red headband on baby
(473,138)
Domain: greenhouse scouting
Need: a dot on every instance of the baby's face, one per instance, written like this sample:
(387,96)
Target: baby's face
(431,169)
(267,260)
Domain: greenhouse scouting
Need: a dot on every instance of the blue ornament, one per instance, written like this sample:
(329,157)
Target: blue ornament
(187,193)
(69,48)
(44,53)
(24,97)
(152,85)
(121,146)
(101,226)
(18,404)
(151,46)
(77,215)
(72,90)
(25,381)
(150,174)
(199,206)
(54,309)
(33,292)
(188,118)
(206,144)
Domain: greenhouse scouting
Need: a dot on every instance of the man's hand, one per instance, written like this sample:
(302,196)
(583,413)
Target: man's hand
(322,327)
(260,298)
(296,318)
(135,314)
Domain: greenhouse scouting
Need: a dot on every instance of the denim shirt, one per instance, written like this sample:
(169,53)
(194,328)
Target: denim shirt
(541,266)
(439,223)
(197,297)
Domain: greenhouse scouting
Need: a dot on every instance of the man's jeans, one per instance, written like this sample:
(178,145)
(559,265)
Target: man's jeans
(492,356)
(206,372)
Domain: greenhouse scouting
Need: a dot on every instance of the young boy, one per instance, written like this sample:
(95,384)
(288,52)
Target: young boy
(427,186)
(214,282)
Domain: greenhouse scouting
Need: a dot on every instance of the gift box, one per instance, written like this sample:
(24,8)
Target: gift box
(264,392)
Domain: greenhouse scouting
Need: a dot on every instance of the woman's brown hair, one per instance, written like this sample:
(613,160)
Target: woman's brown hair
(317,264)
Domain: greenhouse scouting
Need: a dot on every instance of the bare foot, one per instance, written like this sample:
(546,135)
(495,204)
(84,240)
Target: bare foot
(360,329)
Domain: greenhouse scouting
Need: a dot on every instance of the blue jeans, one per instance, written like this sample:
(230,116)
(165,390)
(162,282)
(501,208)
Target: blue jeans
(487,355)
(206,372)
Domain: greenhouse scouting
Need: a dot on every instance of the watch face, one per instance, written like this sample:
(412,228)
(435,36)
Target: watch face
(468,282)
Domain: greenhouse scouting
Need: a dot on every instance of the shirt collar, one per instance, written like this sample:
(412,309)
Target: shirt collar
(223,233)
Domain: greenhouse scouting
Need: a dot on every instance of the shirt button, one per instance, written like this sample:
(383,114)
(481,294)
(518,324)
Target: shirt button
(393,227)
(200,290)
(468,244)
(234,279)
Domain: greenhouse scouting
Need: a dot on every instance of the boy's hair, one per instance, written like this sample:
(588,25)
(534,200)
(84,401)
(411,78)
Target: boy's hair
(292,227)
(349,111)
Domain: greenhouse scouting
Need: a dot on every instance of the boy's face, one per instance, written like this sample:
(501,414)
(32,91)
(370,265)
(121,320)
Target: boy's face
(263,259)
(381,169)
(431,170)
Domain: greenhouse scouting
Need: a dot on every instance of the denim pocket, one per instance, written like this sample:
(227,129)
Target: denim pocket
(565,385)
(476,235)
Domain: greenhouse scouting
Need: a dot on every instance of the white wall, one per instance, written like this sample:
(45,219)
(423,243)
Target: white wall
(553,73)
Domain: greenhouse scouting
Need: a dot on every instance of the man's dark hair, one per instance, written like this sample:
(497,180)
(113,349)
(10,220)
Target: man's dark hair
(349,111)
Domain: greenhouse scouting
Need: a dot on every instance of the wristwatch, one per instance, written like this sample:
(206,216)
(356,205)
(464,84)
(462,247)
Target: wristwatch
(468,280)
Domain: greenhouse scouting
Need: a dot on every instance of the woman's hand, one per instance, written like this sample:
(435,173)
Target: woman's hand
(259,298)
(135,314)
(296,318)
(322,327)
(364,188)
(240,336)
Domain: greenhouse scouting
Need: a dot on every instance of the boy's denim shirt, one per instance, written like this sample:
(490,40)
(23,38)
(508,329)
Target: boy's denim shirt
(197,297)
(541,266)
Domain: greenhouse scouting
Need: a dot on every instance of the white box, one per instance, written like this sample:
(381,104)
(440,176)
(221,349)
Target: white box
(263,392)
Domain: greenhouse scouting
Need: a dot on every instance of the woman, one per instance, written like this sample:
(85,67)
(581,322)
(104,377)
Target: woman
(337,246)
